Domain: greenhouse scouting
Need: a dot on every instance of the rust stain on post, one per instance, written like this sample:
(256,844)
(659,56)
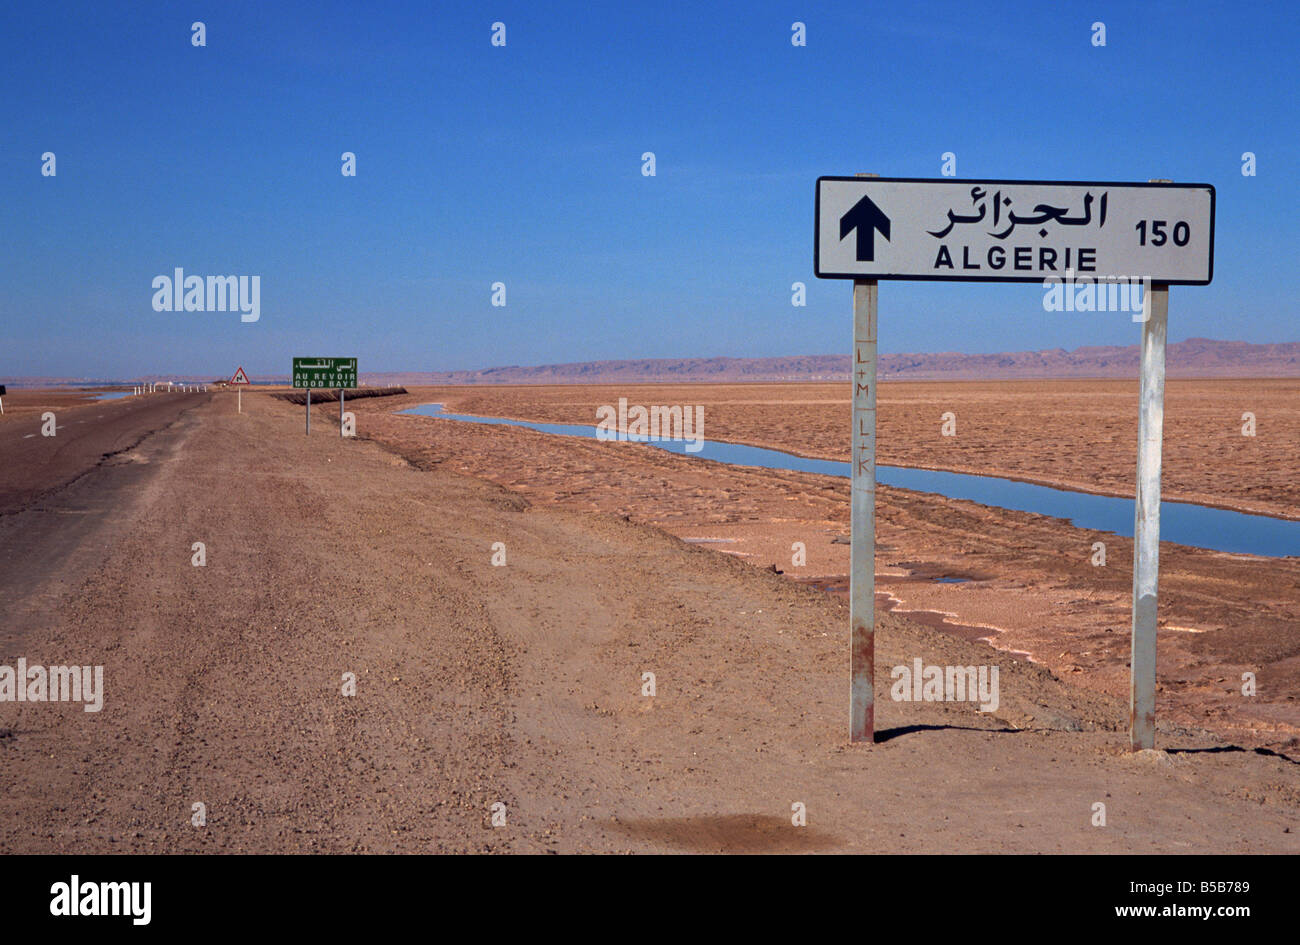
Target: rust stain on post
(862,567)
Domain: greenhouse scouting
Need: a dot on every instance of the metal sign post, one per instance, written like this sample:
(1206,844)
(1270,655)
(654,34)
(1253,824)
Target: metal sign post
(340,411)
(1146,525)
(862,522)
(869,228)
(309,411)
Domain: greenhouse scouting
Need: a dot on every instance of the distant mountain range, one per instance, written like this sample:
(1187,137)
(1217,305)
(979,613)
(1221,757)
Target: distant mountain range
(1196,357)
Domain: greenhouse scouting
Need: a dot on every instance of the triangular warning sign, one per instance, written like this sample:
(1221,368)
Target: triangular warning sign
(240,377)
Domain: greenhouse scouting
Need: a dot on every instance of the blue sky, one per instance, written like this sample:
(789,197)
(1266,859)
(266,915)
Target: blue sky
(522,164)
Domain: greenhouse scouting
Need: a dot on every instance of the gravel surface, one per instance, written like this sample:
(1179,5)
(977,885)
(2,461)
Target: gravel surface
(519,685)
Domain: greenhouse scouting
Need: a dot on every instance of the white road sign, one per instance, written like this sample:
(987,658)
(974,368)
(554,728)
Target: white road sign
(1012,230)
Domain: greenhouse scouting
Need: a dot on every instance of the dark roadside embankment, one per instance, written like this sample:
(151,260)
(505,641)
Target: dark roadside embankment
(328,396)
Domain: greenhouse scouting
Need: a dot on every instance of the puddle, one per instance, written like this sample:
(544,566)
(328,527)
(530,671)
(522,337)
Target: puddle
(728,833)
(838,585)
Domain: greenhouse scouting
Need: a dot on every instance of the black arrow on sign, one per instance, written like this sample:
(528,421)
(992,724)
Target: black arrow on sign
(866,218)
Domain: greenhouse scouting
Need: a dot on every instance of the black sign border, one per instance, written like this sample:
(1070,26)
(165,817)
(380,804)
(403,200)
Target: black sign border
(817,219)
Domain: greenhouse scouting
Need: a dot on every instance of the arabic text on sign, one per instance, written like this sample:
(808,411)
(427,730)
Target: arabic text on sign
(1043,213)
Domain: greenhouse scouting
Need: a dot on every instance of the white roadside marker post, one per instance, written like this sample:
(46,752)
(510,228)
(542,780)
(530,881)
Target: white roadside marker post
(1146,527)
(862,522)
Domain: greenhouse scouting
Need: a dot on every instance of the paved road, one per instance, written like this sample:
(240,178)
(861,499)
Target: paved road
(66,500)
(32,465)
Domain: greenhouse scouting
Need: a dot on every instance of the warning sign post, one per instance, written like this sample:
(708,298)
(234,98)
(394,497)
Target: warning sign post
(239,381)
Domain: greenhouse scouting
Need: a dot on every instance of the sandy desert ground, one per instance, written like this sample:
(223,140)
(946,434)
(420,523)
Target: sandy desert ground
(1034,589)
(522,684)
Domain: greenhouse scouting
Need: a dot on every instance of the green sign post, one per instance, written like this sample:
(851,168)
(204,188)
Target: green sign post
(312,373)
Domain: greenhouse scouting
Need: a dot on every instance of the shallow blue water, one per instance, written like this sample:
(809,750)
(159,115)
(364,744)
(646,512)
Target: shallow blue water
(113,396)
(1180,522)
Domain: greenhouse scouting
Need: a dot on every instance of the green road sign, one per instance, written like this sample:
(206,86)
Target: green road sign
(325,372)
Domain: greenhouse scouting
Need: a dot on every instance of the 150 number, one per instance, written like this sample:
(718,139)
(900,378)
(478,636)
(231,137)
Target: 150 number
(1181,232)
